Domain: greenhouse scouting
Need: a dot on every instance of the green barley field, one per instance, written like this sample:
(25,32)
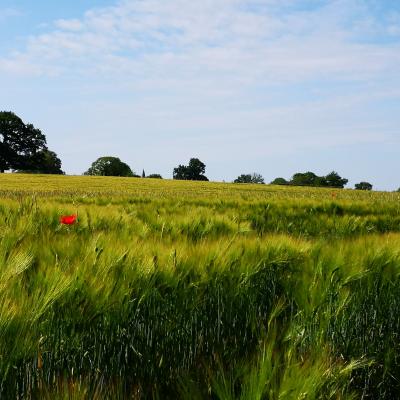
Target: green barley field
(196,290)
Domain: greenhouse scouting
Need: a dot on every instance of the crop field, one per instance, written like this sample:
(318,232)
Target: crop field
(197,290)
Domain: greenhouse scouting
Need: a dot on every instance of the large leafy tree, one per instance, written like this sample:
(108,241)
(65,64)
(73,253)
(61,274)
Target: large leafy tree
(48,163)
(306,179)
(20,143)
(249,178)
(363,186)
(109,166)
(45,162)
(192,172)
(333,179)
(279,181)
(181,172)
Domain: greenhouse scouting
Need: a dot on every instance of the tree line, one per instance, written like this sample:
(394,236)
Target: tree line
(333,180)
(23,148)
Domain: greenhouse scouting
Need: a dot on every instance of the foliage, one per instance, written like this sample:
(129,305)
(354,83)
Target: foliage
(306,179)
(363,186)
(192,172)
(45,162)
(279,181)
(249,178)
(20,143)
(109,166)
(155,176)
(333,179)
(197,290)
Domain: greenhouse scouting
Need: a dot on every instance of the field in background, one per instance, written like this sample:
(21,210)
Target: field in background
(171,289)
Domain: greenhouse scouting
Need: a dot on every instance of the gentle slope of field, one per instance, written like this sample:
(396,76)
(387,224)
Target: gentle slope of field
(169,289)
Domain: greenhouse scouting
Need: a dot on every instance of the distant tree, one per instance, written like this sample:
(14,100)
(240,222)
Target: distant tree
(193,172)
(244,178)
(333,179)
(155,176)
(257,178)
(181,172)
(196,170)
(279,181)
(249,178)
(320,181)
(44,162)
(19,143)
(363,186)
(143,174)
(109,166)
(305,179)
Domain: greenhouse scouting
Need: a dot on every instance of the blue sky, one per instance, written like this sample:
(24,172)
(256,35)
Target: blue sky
(268,86)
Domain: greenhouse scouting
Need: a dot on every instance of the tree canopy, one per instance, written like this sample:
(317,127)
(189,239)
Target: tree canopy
(20,144)
(109,166)
(45,162)
(333,179)
(279,181)
(363,186)
(249,178)
(192,172)
(307,179)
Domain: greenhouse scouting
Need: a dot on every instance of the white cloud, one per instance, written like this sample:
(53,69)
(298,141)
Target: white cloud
(10,12)
(69,24)
(154,37)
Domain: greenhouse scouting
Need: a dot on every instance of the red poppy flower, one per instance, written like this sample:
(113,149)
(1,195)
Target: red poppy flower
(68,219)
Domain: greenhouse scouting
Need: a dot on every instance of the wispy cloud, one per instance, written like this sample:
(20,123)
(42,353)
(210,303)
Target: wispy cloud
(9,12)
(74,25)
(234,38)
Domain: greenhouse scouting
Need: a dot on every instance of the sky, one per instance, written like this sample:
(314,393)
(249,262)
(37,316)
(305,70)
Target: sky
(268,86)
